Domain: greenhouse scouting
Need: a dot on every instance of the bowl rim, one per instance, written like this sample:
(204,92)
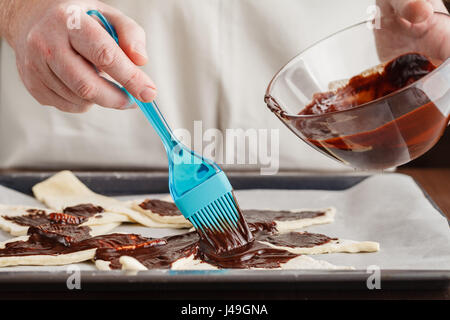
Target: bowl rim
(367,104)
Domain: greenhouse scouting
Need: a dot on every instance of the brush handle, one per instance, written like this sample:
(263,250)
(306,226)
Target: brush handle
(150,109)
(186,168)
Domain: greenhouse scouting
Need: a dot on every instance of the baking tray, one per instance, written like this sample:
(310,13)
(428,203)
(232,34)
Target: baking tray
(116,184)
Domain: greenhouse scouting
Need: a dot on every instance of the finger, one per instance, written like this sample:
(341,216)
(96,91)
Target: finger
(414,11)
(51,81)
(93,43)
(131,35)
(82,79)
(47,97)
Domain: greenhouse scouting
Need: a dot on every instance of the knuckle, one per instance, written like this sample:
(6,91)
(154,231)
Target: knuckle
(104,56)
(60,12)
(86,91)
(36,42)
(33,39)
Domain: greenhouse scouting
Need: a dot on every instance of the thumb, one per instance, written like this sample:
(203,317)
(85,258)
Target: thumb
(415,11)
(131,35)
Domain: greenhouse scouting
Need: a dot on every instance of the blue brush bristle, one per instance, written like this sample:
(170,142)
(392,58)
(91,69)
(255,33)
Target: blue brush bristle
(220,215)
(221,225)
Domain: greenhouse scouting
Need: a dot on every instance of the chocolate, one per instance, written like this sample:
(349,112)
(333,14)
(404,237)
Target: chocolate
(228,237)
(34,218)
(121,241)
(295,239)
(416,125)
(253,255)
(71,215)
(397,74)
(76,214)
(39,244)
(35,245)
(163,208)
(232,249)
(265,219)
(160,256)
(258,219)
(65,234)
(227,254)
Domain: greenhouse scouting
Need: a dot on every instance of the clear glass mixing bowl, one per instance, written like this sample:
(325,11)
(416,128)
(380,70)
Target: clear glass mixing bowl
(380,134)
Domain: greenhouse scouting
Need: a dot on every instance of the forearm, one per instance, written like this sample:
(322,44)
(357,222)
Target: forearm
(7,13)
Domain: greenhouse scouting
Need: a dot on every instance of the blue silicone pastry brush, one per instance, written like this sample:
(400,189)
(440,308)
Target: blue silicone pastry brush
(199,187)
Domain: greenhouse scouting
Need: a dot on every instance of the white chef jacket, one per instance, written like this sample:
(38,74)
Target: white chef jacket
(211,61)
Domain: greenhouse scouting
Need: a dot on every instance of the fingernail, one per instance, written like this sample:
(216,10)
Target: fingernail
(140,49)
(148,94)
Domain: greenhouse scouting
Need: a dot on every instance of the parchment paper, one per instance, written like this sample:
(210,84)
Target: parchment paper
(390,209)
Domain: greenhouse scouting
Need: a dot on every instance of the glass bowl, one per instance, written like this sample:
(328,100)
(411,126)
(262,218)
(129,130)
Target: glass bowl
(383,133)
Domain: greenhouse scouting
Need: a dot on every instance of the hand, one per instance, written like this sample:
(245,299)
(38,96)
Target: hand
(57,61)
(413,23)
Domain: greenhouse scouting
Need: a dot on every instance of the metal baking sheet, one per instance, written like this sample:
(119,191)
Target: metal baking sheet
(122,184)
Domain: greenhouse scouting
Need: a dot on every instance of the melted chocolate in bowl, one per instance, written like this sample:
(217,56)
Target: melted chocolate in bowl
(397,74)
(416,125)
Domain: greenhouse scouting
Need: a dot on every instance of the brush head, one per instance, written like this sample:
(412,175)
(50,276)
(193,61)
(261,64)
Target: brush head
(221,225)
(212,209)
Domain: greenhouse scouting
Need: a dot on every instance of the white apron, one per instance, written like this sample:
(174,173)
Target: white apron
(211,61)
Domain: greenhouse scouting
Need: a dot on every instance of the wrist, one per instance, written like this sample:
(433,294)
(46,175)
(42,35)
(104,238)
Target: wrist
(16,16)
(6,12)
(9,11)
